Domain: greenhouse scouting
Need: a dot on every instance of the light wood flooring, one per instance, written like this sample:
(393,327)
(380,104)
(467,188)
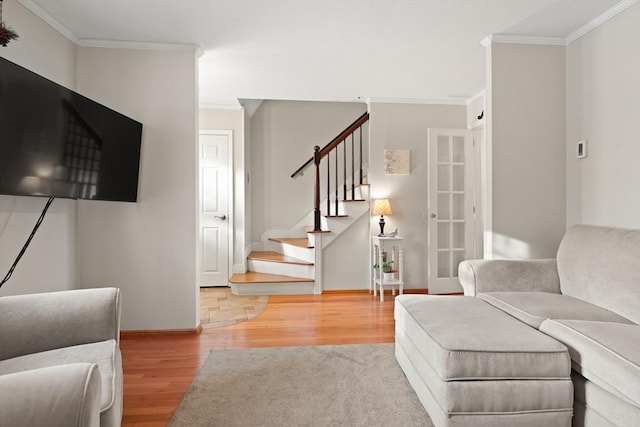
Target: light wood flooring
(158,369)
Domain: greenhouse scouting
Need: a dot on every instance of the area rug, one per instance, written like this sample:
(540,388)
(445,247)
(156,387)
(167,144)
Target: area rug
(345,385)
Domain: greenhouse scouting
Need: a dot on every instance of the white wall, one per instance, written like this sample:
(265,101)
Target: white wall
(218,119)
(49,263)
(283,134)
(526,147)
(603,107)
(345,263)
(248,182)
(40,48)
(404,126)
(146,248)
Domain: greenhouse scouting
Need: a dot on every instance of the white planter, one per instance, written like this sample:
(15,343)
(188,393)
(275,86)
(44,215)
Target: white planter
(388,277)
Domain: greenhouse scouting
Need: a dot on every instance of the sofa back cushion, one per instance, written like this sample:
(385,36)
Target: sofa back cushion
(34,323)
(601,265)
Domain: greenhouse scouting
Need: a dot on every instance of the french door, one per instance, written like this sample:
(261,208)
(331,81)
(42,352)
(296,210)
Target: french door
(451,210)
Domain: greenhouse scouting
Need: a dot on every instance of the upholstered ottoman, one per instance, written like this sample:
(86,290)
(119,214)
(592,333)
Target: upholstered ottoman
(474,365)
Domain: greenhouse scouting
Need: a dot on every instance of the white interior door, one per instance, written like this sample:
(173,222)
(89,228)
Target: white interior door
(451,211)
(214,213)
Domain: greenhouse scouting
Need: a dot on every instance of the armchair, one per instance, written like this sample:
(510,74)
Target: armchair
(60,361)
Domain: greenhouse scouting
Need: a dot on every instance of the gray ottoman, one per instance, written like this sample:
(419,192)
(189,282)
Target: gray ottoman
(474,365)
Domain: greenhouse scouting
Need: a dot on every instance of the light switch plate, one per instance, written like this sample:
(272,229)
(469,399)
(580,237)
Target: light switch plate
(581,149)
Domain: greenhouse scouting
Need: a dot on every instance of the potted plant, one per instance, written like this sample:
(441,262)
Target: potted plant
(389,273)
(6,33)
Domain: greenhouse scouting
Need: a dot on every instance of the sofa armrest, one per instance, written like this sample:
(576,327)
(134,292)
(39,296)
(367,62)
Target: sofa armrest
(40,322)
(64,395)
(477,276)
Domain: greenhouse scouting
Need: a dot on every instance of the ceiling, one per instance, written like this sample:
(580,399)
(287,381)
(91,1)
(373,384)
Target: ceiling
(328,50)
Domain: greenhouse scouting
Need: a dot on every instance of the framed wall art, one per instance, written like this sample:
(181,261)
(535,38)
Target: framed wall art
(397,162)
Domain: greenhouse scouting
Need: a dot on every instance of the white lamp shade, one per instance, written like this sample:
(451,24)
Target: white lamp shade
(381,207)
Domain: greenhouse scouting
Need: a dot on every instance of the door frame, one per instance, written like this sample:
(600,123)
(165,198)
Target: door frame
(230,202)
(479,136)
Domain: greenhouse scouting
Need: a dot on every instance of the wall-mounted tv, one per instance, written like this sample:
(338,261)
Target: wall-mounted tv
(57,143)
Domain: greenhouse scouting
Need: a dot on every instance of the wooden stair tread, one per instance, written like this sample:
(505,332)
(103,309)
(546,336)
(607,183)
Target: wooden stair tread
(301,242)
(336,216)
(276,257)
(309,229)
(354,200)
(253,277)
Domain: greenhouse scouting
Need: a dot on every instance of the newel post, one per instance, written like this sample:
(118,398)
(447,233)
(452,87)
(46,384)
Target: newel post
(316,194)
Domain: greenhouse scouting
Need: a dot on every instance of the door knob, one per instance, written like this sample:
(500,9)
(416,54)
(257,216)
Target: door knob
(433,215)
(222,217)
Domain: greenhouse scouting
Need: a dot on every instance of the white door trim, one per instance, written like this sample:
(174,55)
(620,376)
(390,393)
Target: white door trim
(479,188)
(231,200)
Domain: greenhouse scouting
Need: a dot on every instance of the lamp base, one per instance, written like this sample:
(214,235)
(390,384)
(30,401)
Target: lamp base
(381,223)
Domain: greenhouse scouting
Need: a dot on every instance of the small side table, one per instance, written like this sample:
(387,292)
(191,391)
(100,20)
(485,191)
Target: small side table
(392,246)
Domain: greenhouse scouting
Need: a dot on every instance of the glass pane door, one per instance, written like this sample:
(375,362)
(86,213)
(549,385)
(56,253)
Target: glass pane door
(449,205)
(451,201)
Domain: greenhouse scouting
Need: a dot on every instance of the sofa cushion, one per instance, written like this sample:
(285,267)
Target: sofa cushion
(618,412)
(58,319)
(104,353)
(533,308)
(606,353)
(601,265)
(464,338)
(489,396)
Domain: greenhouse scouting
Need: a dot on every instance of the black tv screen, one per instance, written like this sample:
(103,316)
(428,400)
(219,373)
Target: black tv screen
(57,143)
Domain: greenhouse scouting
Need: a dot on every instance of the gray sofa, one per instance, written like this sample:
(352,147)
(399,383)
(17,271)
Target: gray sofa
(60,362)
(532,343)
(589,300)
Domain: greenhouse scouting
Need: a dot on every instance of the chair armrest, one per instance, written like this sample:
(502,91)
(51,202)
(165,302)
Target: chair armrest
(40,322)
(64,395)
(540,275)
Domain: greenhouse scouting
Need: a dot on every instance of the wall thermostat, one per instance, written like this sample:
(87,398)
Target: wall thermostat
(581,149)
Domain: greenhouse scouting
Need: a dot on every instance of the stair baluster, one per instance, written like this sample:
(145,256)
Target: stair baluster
(316,202)
(360,154)
(344,169)
(319,154)
(336,184)
(329,184)
(353,171)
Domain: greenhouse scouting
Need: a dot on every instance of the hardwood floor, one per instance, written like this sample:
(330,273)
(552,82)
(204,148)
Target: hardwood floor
(158,369)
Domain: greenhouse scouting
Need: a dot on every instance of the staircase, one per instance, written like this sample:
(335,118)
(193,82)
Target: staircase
(289,262)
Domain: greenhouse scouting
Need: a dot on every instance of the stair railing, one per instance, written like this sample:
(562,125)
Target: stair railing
(332,147)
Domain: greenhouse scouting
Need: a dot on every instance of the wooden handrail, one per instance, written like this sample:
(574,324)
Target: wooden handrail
(319,154)
(334,142)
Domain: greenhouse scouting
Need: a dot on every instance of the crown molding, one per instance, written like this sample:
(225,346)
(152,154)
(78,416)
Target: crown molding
(251,105)
(116,44)
(444,101)
(56,25)
(560,41)
(478,95)
(599,20)
(220,107)
(50,20)
(517,39)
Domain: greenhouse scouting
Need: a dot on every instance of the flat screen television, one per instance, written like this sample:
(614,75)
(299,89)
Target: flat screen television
(55,142)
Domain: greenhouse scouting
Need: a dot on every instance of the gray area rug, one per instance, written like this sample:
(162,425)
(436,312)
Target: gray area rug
(344,385)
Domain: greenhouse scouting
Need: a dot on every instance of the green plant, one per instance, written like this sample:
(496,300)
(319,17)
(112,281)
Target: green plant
(387,267)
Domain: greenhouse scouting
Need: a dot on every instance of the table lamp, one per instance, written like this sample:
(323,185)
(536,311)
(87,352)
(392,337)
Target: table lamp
(381,207)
